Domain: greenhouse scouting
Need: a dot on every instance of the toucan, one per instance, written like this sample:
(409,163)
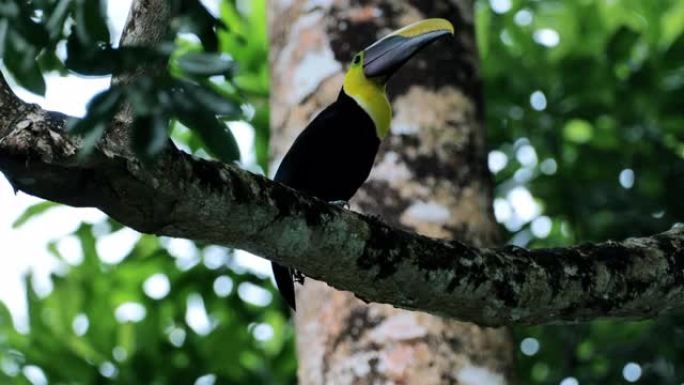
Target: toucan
(333,155)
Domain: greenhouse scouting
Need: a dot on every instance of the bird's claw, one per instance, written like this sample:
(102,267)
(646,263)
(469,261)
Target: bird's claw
(298,277)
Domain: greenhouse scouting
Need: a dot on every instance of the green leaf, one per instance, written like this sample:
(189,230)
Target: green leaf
(194,17)
(102,59)
(49,61)
(34,33)
(262,136)
(56,19)
(20,59)
(5,321)
(9,10)
(4,27)
(142,97)
(91,24)
(32,211)
(211,100)
(218,140)
(620,45)
(101,109)
(106,103)
(205,64)
(150,135)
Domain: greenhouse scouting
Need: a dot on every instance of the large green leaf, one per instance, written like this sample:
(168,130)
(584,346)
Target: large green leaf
(90,21)
(215,135)
(212,100)
(20,60)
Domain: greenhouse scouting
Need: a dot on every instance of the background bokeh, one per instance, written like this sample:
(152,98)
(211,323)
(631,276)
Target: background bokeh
(585,116)
(585,111)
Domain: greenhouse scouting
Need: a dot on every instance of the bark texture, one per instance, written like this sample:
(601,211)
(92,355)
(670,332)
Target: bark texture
(429,178)
(186,197)
(147,24)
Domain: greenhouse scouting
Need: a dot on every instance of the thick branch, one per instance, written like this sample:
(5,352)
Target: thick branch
(147,23)
(182,196)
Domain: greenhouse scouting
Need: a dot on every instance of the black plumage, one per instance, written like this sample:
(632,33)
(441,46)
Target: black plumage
(330,159)
(334,154)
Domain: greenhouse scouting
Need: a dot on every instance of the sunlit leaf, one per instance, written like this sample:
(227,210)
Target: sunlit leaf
(33,211)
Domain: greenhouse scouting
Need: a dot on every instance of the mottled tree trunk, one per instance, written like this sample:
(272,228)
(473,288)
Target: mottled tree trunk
(429,177)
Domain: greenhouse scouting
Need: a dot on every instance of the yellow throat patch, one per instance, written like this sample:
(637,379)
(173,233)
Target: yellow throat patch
(370,95)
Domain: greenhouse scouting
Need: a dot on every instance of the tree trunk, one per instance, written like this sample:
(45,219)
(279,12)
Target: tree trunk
(429,177)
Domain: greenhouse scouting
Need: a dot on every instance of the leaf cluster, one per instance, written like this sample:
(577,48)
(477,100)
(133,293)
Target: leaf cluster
(584,100)
(207,72)
(83,331)
(198,86)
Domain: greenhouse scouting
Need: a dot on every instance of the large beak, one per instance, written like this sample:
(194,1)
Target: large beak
(384,57)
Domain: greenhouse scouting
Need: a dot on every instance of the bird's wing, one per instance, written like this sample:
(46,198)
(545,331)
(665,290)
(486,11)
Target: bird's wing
(305,151)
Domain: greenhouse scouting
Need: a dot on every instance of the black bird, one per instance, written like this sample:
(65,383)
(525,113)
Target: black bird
(334,154)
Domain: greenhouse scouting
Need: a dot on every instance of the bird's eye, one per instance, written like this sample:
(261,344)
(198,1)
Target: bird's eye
(357,59)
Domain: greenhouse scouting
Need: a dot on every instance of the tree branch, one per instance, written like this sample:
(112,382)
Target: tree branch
(183,196)
(147,23)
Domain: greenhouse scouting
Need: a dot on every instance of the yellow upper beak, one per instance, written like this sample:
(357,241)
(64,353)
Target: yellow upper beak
(421,28)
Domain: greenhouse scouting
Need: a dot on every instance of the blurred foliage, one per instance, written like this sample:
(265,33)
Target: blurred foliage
(114,323)
(585,111)
(610,86)
(153,318)
(33,35)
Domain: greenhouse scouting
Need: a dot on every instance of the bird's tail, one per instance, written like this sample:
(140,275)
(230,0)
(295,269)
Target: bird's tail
(283,278)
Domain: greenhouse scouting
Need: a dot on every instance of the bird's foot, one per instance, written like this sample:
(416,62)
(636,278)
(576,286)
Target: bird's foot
(340,204)
(298,277)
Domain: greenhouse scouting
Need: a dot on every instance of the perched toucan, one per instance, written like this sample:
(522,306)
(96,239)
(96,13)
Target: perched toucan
(334,154)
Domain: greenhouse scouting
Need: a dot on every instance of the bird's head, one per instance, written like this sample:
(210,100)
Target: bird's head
(371,68)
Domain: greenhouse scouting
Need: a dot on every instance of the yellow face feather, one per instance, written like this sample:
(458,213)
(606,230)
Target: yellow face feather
(369,92)
(370,95)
